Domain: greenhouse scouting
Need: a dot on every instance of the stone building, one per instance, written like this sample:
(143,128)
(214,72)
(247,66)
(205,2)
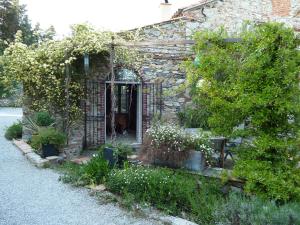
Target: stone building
(143,94)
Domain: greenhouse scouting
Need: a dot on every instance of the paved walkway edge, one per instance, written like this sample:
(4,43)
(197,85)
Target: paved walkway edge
(33,157)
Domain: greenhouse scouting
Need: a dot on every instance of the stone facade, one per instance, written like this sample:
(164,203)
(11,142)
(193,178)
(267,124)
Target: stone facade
(163,63)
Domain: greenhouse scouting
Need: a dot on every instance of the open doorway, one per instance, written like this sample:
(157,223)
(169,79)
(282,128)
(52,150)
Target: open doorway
(126,113)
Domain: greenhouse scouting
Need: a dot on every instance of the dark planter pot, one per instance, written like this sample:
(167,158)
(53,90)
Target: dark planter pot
(49,150)
(108,155)
(121,160)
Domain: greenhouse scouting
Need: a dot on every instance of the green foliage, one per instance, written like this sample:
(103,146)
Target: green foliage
(30,124)
(280,183)
(9,25)
(169,144)
(122,150)
(48,136)
(94,172)
(255,80)
(72,174)
(14,131)
(14,18)
(174,192)
(42,69)
(239,209)
(194,117)
(43,119)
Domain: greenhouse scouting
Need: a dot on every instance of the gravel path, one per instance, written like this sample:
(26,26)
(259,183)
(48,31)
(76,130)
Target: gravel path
(31,196)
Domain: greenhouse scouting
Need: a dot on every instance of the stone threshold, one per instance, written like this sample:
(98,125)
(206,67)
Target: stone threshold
(33,157)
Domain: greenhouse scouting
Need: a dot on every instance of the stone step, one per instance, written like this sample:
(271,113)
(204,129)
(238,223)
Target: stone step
(136,146)
(81,160)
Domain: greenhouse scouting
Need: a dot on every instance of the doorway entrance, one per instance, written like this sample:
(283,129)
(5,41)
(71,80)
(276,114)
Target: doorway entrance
(137,103)
(127,112)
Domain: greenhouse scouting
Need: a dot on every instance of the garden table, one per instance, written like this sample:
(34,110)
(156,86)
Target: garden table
(220,142)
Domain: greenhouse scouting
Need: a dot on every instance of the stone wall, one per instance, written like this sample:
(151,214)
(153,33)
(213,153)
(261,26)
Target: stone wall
(165,64)
(231,14)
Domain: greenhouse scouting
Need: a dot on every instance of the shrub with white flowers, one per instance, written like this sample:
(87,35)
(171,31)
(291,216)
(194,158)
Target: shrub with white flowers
(176,139)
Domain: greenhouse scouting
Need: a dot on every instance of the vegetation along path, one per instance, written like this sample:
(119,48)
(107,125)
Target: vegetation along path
(32,196)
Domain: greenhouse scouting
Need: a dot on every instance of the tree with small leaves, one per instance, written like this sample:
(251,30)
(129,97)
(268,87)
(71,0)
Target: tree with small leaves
(254,81)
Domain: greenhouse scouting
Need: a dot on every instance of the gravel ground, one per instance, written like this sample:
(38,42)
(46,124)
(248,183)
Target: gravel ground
(31,196)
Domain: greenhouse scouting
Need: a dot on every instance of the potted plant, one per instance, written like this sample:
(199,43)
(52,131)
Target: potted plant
(200,150)
(170,145)
(116,154)
(48,141)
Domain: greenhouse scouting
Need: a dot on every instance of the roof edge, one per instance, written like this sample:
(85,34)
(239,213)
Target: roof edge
(186,18)
(199,5)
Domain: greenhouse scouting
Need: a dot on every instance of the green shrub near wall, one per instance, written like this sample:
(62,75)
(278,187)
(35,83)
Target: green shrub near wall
(14,131)
(254,81)
(47,136)
(43,119)
(240,210)
(196,117)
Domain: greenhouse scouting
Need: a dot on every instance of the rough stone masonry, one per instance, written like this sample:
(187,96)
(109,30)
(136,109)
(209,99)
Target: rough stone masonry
(163,64)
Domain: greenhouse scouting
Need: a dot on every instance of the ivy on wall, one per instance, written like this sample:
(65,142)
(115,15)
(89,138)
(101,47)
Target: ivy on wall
(254,81)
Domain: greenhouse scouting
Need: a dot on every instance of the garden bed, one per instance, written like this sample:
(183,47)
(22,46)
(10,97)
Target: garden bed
(35,158)
(189,195)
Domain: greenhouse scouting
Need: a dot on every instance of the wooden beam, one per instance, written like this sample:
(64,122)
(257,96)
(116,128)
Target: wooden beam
(157,43)
(169,42)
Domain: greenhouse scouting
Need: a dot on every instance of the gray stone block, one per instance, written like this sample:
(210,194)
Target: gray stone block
(36,160)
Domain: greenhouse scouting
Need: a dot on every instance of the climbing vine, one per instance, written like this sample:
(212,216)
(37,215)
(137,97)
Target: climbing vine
(254,82)
(42,69)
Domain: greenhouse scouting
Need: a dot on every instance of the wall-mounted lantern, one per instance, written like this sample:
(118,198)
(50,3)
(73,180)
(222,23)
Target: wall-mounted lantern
(86,60)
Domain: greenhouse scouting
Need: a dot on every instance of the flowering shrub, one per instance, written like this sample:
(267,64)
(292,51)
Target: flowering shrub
(169,135)
(169,142)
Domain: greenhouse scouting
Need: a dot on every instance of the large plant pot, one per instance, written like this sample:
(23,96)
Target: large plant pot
(108,154)
(195,162)
(172,159)
(121,160)
(49,150)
